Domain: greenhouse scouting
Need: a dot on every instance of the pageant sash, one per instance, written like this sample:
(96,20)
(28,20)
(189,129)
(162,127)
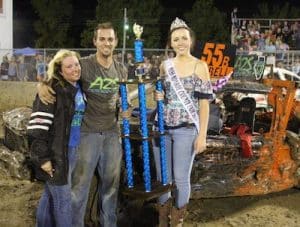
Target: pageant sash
(181,93)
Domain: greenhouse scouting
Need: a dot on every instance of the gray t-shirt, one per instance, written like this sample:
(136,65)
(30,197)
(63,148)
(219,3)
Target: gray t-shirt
(101,88)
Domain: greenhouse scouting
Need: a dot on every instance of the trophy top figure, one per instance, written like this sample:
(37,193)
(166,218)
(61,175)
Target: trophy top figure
(178,23)
(137,30)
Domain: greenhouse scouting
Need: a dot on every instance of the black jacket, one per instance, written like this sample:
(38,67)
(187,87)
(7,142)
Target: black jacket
(48,133)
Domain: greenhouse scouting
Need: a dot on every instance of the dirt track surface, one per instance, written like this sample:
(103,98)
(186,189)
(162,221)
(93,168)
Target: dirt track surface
(277,209)
(18,200)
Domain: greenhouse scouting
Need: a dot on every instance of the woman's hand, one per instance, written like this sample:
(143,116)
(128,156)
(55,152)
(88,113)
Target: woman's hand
(200,144)
(47,167)
(46,93)
(158,96)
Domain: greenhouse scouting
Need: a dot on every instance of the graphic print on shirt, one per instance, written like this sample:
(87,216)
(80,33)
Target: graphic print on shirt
(104,85)
(79,109)
(80,106)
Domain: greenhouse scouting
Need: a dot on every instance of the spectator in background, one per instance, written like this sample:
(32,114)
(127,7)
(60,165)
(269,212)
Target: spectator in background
(296,66)
(115,56)
(244,26)
(4,68)
(153,57)
(246,43)
(261,42)
(270,47)
(154,73)
(239,38)
(281,48)
(234,19)
(278,32)
(119,57)
(40,68)
(130,65)
(171,54)
(297,38)
(286,33)
(285,27)
(147,66)
(250,26)
(22,70)
(256,25)
(12,69)
(48,59)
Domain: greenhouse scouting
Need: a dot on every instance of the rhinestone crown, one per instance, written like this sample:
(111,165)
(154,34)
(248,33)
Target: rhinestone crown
(178,23)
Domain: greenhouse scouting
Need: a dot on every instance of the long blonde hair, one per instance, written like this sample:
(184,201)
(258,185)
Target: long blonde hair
(54,66)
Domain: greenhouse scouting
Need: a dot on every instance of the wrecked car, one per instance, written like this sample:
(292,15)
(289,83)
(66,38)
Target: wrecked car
(252,155)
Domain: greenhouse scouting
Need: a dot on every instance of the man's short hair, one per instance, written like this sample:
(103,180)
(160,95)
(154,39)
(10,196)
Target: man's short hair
(105,25)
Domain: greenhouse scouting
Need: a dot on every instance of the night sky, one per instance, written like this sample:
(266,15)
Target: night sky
(24,15)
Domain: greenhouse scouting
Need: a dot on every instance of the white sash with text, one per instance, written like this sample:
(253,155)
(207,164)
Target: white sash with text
(181,93)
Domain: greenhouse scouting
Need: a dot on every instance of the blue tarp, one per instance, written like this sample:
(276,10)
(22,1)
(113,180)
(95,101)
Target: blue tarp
(27,51)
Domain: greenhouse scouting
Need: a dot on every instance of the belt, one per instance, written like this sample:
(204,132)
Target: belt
(186,125)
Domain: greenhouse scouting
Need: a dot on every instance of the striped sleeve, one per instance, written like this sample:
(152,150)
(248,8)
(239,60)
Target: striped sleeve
(40,120)
(38,128)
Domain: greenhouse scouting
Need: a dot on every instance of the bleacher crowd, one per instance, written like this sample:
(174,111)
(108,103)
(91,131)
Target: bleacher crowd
(282,36)
(276,40)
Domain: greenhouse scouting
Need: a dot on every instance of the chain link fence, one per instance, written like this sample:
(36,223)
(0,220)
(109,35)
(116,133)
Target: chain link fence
(30,64)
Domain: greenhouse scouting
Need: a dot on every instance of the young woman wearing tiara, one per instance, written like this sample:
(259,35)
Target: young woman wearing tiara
(187,90)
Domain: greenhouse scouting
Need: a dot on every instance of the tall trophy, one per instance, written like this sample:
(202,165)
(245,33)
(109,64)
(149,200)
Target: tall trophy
(150,188)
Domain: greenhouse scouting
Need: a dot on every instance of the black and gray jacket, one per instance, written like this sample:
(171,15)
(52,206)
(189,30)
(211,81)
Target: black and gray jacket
(49,130)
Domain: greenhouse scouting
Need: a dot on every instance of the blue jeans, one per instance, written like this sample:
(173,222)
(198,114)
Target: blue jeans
(101,151)
(180,156)
(54,207)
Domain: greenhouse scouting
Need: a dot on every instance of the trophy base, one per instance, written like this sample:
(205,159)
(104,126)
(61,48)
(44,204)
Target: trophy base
(138,192)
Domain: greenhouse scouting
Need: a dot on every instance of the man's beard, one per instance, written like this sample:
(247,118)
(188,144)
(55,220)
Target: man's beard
(106,54)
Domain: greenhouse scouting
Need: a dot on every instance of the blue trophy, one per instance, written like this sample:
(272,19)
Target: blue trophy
(150,189)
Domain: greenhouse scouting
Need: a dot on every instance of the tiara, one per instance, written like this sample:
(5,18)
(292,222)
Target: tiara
(178,23)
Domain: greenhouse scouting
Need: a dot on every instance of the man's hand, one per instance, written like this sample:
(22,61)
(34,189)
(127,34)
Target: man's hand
(46,93)
(47,167)
(127,113)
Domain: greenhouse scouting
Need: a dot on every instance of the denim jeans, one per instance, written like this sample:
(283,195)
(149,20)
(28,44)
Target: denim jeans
(180,156)
(101,151)
(54,207)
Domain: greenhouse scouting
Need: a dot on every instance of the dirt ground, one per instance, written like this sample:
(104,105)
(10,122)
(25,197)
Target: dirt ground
(19,199)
